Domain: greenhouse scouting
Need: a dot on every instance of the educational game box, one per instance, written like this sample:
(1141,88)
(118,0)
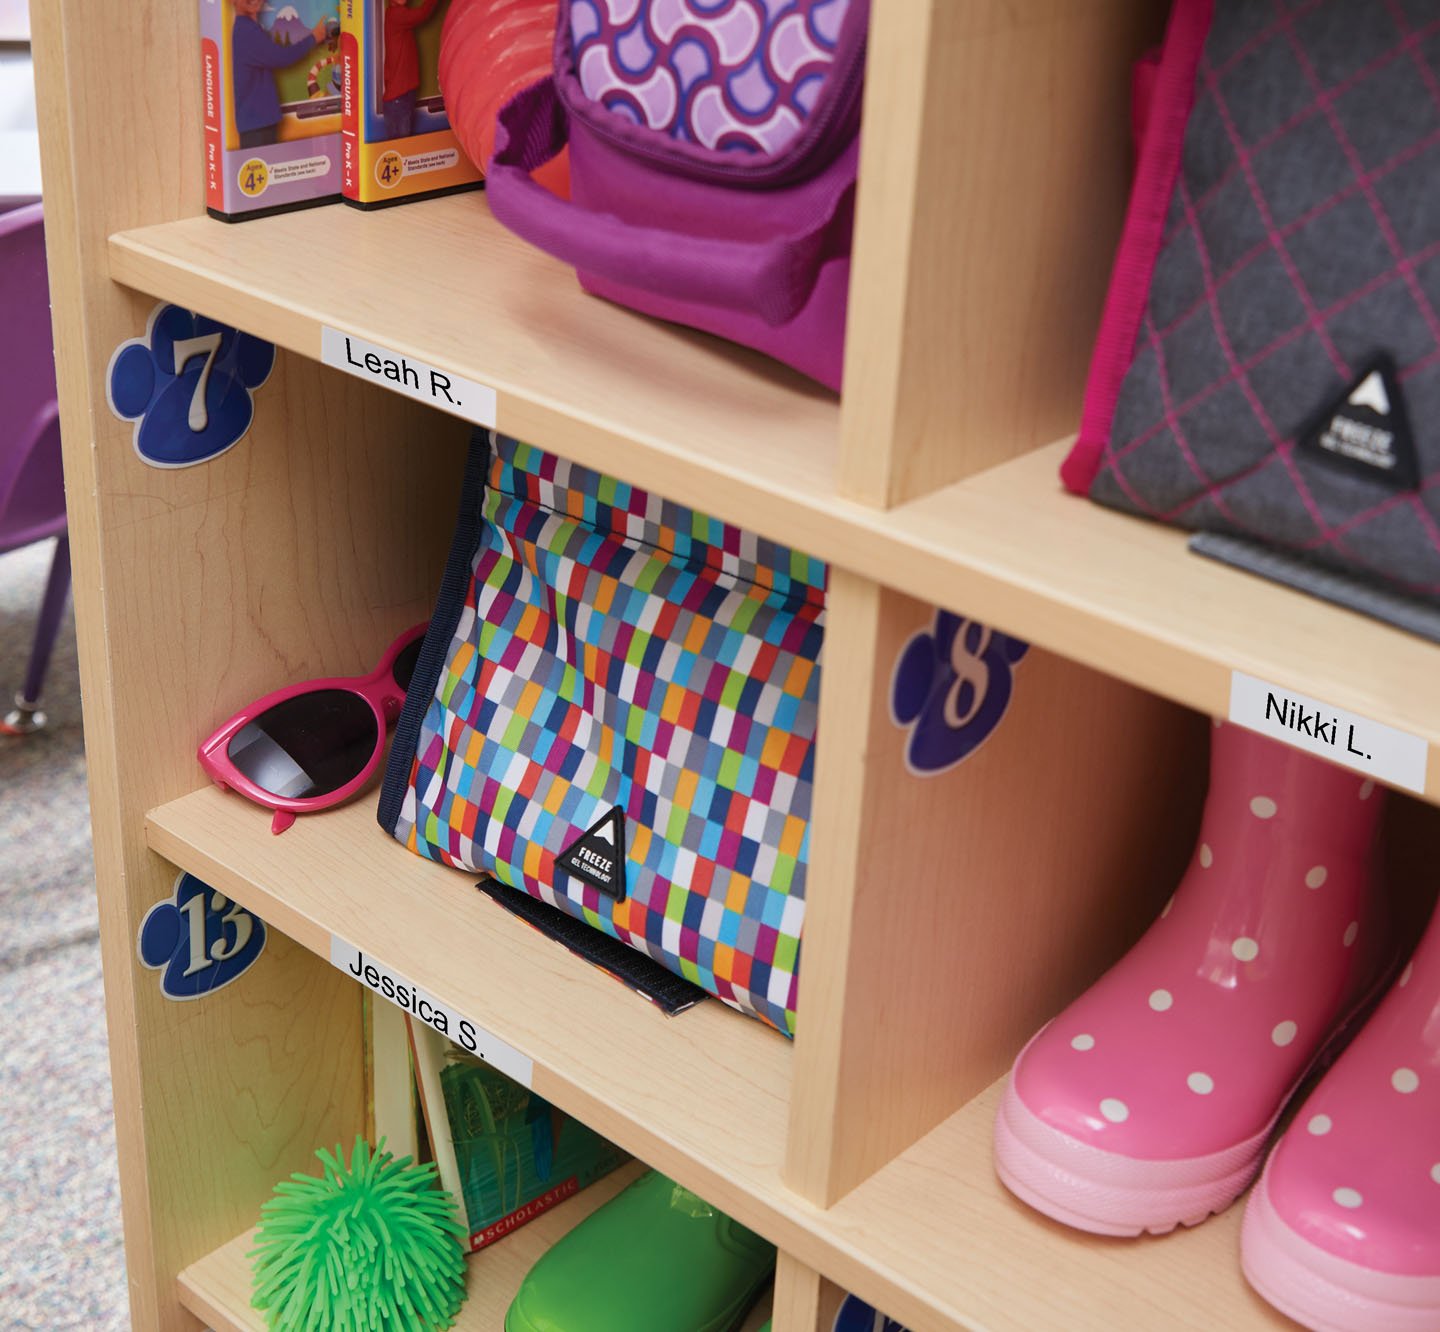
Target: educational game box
(396,141)
(272,105)
(506,1153)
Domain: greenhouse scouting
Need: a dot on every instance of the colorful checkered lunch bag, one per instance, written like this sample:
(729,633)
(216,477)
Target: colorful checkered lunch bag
(713,150)
(1268,366)
(614,710)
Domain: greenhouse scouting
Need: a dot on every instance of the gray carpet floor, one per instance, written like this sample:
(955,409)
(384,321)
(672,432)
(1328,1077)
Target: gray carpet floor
(62,1261)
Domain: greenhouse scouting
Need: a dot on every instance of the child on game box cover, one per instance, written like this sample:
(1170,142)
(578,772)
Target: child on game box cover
(402,64)
(396,142)
(255,57)
(270,77)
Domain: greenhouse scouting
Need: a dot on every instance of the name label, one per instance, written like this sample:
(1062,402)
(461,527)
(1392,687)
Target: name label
(1333,733)
(407,375)
(424,1007)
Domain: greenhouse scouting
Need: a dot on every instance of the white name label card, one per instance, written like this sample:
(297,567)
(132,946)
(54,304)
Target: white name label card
(1347,738)
(407,375)
(424,1007)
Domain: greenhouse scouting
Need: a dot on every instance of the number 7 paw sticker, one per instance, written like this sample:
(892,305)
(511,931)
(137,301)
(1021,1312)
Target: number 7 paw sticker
(199,940)
(187,385)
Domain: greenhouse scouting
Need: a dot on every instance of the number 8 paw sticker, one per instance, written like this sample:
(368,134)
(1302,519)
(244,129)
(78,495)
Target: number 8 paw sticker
(187,385)
(200,938)
(951,687)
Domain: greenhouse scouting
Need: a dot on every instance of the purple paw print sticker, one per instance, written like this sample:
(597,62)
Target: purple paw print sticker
(951,687)
(187,385)
(199,940)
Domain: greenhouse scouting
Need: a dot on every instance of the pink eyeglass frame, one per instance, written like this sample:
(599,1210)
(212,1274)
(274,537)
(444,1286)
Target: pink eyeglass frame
(378,689)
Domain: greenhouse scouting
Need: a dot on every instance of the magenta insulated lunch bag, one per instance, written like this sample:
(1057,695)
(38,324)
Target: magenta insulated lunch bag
(713,150)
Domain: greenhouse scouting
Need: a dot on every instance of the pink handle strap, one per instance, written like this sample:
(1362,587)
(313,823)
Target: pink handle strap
(772,279)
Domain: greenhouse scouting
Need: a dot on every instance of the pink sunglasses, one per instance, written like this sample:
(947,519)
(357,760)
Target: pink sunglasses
(314,745)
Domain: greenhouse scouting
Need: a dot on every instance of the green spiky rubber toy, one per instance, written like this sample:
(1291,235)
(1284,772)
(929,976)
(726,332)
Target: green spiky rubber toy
(372,1246)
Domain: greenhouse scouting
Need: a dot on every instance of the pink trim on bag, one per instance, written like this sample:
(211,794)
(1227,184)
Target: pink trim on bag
(1140,243)
(1143,80)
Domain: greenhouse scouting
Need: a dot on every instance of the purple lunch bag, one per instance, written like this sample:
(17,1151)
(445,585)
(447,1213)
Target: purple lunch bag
(713,149)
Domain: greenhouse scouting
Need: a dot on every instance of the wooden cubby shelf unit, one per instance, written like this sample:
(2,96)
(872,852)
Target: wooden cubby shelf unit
(947,917)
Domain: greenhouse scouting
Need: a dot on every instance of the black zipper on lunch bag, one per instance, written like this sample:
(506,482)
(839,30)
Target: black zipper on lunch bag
(454,586)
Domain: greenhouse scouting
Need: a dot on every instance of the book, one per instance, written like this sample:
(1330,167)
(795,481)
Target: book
(270,78)
(506,1153)
(396,141)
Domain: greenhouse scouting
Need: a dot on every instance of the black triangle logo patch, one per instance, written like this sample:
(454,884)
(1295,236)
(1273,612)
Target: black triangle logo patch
(1367,429)
(598,857)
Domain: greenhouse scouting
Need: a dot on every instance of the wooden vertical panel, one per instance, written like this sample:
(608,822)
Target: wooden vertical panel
(1410,838)
(797,1296)
(949,916)
(994,170)
(297,553)
(805,1301)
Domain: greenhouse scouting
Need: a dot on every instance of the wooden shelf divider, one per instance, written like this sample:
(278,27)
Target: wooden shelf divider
(216,1288)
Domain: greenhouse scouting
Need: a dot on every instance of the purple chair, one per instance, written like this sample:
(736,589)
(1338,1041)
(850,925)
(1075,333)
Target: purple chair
(32,493)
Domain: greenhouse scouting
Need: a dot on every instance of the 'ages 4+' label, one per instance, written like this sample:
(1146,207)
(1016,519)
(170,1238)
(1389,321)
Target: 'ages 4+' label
(407,375)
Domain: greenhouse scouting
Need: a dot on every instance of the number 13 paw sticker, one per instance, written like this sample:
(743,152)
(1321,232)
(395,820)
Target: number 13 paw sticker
(951,688)
(199,940)
(187,385)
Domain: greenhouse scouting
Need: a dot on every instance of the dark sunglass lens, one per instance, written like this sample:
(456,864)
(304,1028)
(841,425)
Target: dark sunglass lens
(307,746)
(404,666)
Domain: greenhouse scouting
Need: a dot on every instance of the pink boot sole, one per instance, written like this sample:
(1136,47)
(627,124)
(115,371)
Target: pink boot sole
(1326,1293)
(1109,1194)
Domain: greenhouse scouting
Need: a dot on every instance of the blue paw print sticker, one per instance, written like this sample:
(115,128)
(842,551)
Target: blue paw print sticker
(187,385)
(951,687)
(199,940)
(857,1316)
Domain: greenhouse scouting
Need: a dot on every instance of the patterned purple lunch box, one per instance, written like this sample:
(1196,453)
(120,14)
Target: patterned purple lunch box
(1268,368)
(713,151)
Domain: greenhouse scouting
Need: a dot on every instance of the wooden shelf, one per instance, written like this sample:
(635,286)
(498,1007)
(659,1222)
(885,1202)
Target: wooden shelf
(701,420)
(947,1246)
(669,1090)
(216,1289)
(1125,596)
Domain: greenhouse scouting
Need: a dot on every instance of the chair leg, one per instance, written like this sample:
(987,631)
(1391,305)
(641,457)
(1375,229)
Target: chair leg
(27,715)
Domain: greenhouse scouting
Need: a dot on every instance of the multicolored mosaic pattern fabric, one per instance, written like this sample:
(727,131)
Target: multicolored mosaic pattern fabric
(728,74)
(615,649)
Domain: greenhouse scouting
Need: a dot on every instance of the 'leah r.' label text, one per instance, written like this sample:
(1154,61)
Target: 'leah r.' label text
(408,375)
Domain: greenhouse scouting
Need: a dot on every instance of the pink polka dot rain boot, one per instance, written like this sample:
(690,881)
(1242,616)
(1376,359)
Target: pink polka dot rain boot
(1343,1230)
(1147,1103)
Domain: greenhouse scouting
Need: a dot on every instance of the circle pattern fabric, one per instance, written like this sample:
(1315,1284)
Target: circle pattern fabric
(730,75)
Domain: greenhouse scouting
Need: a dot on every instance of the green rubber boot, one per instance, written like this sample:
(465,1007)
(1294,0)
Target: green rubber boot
(655,1258)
